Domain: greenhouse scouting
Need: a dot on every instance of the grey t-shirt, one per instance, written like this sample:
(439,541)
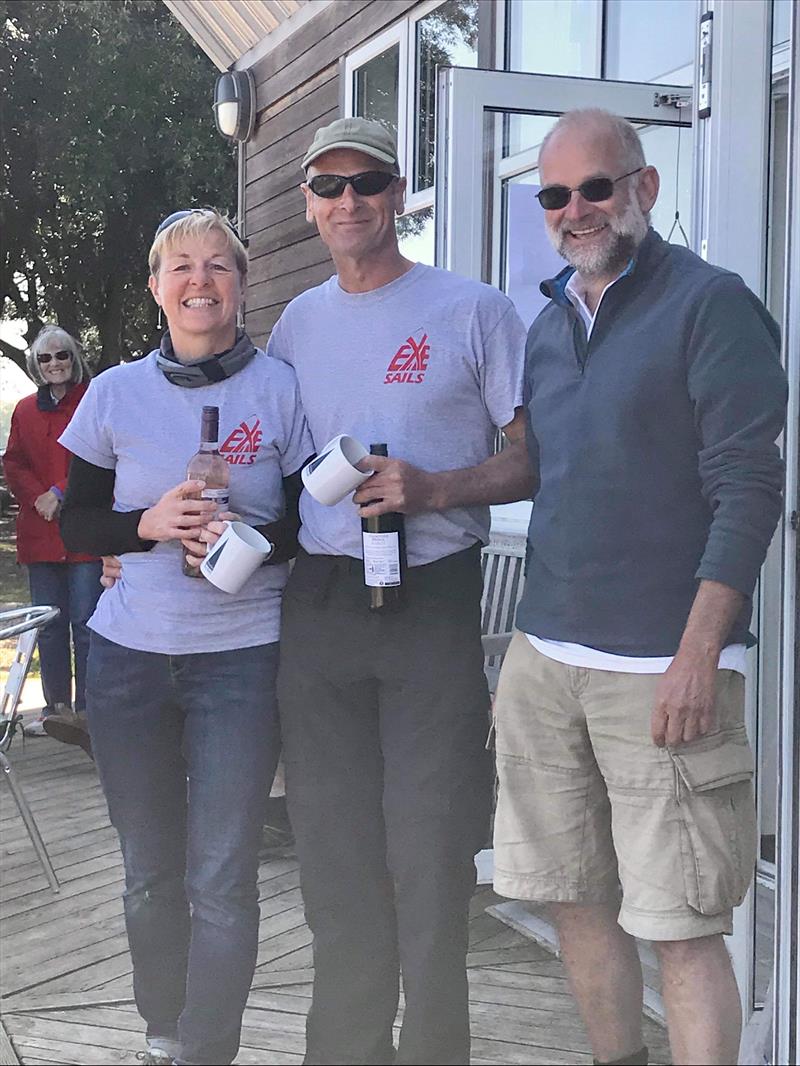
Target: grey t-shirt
(429,364)
(133,421)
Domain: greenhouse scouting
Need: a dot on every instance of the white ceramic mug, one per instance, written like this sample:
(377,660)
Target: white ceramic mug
(333,474)
(237,554)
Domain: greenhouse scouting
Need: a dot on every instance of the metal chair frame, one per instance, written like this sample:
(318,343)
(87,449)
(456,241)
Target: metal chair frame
(24,622)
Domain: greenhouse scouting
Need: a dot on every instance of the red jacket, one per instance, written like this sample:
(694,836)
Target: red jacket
(34,462)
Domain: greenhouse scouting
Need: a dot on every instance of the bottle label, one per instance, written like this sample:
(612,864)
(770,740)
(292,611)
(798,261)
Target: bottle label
(221,497)
(381,559)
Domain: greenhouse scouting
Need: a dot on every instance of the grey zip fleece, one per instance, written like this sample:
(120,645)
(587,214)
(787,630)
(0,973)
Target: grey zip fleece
(655,445)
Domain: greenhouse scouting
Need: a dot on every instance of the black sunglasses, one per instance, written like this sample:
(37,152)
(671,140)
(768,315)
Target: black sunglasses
(554,197)
(369,183)
(62,357)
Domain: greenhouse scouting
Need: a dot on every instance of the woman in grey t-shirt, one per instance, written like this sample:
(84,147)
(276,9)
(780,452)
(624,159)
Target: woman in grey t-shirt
(181,676)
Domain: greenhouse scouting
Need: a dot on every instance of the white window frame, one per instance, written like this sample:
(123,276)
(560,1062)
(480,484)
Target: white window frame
(403,33)
(395,34)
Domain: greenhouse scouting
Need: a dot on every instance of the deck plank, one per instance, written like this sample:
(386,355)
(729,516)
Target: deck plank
(65,972)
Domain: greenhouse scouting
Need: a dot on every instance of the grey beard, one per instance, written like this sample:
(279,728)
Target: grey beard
(629,229)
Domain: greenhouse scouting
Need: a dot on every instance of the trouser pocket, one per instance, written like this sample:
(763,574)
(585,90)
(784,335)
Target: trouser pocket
(714,793)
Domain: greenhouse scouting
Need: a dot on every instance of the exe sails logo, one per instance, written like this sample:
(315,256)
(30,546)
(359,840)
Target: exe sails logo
(241,446)
(409,362)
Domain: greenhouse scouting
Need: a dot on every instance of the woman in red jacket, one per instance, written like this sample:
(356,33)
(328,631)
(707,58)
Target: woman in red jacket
(36,468)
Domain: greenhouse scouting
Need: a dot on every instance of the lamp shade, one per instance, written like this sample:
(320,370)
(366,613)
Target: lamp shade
(235,104)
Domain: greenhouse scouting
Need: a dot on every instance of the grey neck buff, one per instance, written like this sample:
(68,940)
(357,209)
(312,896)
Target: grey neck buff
(207,371)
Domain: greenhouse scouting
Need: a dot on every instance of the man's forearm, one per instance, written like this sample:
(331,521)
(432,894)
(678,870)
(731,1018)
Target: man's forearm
(503,478)
(715,609)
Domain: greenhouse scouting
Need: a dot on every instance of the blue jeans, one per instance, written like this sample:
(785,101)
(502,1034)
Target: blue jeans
(186,747)
(75,589)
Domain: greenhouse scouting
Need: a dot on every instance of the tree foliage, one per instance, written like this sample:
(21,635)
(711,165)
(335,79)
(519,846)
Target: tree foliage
(105,128)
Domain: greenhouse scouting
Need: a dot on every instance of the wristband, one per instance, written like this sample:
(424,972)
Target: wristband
(56,491)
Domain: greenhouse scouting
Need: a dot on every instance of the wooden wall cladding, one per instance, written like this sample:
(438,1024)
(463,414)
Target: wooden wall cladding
(298,90)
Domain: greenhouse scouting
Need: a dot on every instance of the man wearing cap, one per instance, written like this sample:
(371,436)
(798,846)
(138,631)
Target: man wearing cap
(384,717)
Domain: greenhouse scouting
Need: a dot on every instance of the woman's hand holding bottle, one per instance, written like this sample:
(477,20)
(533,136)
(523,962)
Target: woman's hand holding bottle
(177,515)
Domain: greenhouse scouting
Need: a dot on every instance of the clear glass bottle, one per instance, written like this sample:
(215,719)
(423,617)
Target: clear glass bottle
(209,466)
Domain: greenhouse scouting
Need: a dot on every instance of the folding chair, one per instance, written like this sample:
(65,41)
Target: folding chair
(24,622)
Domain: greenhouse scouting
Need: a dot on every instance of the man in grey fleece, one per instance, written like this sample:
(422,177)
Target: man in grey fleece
(654,395)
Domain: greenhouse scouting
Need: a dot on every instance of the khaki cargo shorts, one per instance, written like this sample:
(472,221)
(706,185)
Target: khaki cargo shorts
(588,805)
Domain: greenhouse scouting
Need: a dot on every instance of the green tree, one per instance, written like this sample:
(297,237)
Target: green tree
(105,128)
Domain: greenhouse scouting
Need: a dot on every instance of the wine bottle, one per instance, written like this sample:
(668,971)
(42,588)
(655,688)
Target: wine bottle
(383,539)
(208,465)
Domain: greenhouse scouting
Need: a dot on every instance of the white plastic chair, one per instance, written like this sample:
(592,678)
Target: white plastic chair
(24,622)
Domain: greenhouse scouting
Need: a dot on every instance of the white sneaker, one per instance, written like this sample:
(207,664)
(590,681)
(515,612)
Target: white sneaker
(35,728)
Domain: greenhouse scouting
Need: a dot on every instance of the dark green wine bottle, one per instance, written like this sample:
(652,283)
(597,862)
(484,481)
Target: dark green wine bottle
(383,542)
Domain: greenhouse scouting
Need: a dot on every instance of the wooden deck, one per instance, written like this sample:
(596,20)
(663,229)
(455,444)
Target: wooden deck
(65,973)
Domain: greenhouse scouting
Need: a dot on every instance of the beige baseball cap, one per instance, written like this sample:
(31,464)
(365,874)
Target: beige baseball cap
(361,134)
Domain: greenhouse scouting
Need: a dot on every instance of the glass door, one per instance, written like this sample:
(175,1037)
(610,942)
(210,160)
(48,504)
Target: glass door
(490,127)
(746,218)
(489,226)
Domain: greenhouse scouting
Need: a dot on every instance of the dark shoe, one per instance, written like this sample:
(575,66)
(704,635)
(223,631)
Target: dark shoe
(69,729)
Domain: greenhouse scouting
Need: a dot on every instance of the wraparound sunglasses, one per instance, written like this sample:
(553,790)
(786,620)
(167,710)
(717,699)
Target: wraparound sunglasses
(368,183)
(595,190)
(61,356)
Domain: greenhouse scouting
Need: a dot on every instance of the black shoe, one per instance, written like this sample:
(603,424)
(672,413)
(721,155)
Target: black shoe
(69,729)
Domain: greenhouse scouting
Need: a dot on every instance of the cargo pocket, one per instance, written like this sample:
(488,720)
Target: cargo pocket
(714,793)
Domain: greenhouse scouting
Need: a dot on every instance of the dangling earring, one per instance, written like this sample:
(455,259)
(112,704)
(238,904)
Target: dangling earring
(240,318)
(160,322)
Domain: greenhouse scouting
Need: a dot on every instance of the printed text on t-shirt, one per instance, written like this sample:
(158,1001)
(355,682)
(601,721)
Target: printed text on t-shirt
(241,446)
(409,362)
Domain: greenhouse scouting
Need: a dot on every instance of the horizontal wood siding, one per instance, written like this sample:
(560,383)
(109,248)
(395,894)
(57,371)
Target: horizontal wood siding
(298,90)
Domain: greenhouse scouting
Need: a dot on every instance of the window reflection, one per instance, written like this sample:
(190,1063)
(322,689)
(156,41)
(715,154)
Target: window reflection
(781,21)
(650,40)
(554,37)
(376,88)
(447,37)
(416,236)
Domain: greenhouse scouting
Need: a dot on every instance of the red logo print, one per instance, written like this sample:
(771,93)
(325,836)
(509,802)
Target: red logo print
(409,362)
(241,446)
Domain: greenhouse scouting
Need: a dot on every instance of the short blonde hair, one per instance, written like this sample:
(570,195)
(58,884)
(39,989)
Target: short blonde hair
(80,370)
(199,222)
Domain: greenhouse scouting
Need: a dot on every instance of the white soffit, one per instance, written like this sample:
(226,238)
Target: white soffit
(228,29)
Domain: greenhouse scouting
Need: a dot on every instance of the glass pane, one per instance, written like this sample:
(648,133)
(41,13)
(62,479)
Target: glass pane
(669,150)
(781,21)
(376,88)
(553,37)
(526,255)
(770,588)
(447,37)
(417,236)
(651,40)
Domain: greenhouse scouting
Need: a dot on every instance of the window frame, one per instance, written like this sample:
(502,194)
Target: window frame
(404,34)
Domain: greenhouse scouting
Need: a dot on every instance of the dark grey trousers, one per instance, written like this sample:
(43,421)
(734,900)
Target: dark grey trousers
(384,721)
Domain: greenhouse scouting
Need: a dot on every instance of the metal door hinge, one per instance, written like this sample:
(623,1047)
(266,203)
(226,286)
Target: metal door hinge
(794,520)
(706,42)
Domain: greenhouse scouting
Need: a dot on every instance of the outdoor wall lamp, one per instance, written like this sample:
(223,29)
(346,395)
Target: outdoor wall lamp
(235,104)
